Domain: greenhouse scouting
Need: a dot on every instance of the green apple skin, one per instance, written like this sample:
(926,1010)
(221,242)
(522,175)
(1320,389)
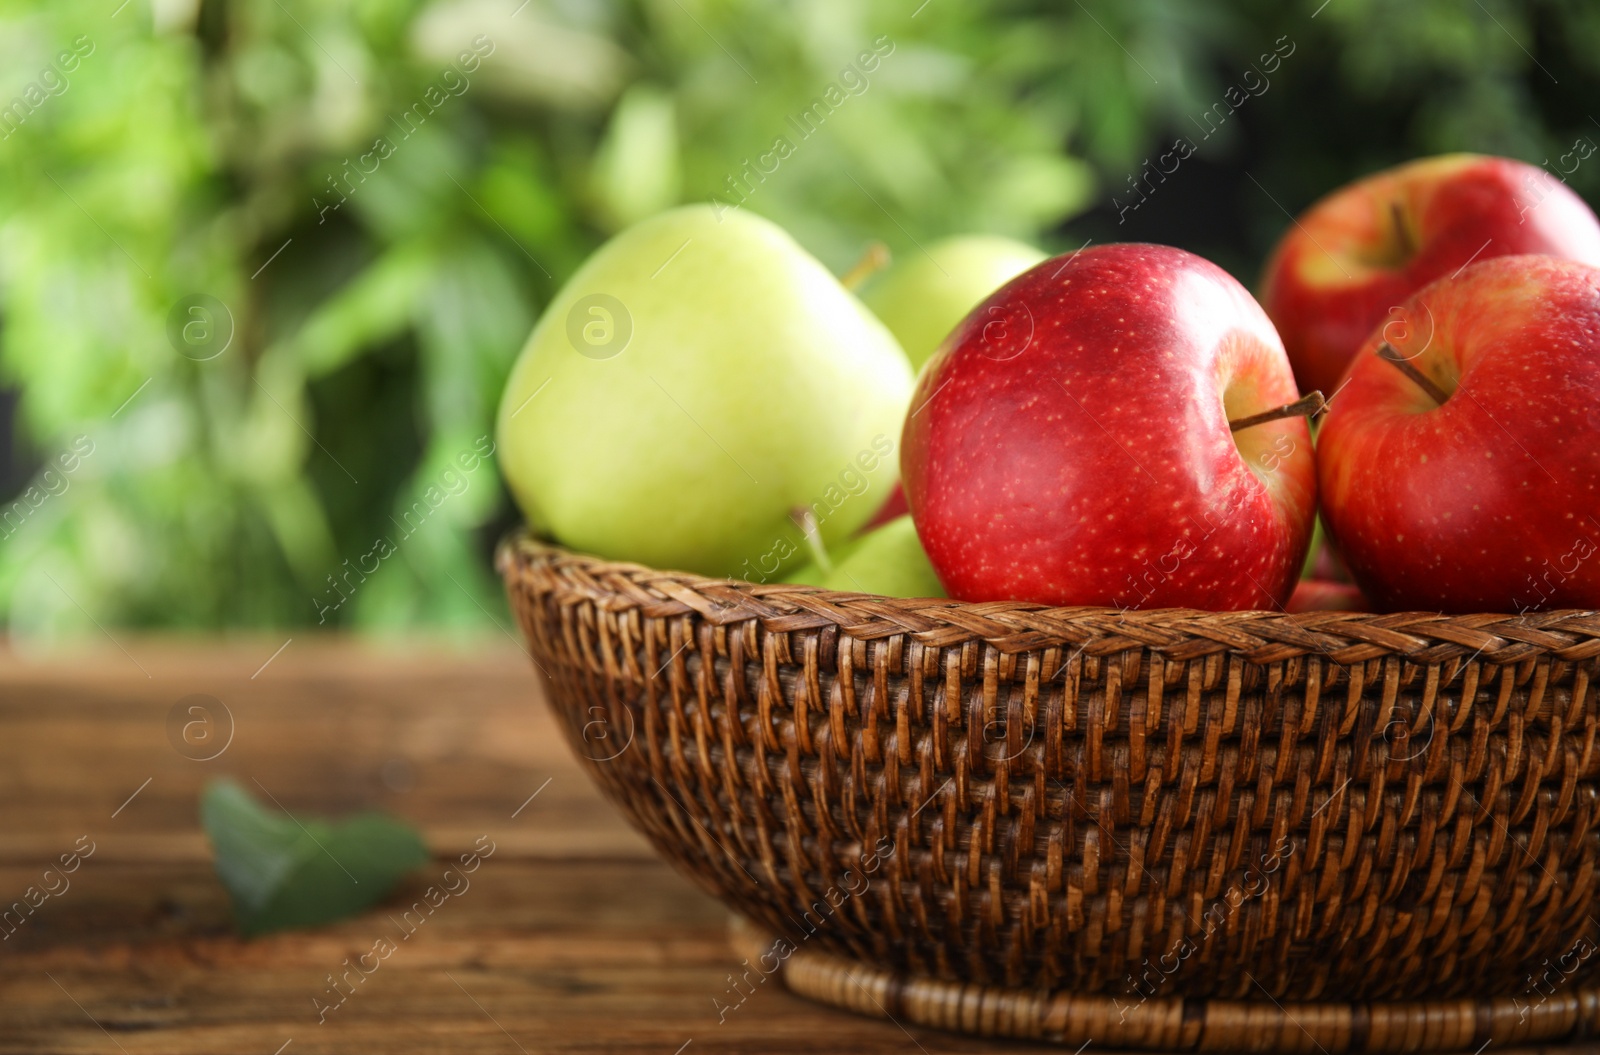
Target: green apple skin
(922,296)
(811,574)
(728,380)
(887,560)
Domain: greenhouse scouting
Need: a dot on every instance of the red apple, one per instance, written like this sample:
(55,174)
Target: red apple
(1323,595)
(1070,444)
(1489,501)
(893,508)
(1359,252)
(1326,565)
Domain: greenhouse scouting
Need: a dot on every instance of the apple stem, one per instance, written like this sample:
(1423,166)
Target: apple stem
(1304,407)
(1387,353)
(1403,233)
(873,259)
(806,521)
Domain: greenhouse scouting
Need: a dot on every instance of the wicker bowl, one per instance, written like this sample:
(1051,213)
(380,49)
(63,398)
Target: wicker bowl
(1162,829)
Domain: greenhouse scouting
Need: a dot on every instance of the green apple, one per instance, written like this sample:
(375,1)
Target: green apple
(887,560)
(922,296)
(696,383)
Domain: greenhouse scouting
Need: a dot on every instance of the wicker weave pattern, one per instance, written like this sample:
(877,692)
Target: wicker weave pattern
(1330,806)
(1079,1021)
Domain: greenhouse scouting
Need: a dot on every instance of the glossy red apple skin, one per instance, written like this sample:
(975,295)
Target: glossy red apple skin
(1069,442)
(1341,267)
(1490,502)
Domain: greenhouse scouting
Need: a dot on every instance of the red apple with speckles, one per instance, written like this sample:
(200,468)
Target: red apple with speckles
(1362,250)
(1069,443)
(1490,501)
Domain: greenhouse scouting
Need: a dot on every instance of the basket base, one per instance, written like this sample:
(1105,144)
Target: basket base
(1564,1023)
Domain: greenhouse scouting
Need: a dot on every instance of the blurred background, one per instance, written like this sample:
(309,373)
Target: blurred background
(264,264)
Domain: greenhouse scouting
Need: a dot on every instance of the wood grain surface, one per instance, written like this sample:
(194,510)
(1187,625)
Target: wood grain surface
(571,937)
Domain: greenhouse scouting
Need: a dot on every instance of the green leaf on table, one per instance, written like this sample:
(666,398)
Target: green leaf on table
(283,871)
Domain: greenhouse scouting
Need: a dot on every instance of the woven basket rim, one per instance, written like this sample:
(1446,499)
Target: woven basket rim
(1020,626)
(1062,1017)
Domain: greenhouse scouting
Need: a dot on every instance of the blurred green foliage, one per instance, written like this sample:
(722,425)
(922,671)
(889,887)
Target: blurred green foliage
(383,194)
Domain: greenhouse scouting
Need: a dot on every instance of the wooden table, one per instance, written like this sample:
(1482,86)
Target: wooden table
(572,936)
